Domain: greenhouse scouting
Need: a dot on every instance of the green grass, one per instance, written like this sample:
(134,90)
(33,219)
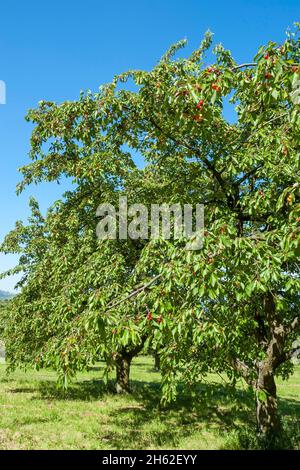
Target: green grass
(34,414)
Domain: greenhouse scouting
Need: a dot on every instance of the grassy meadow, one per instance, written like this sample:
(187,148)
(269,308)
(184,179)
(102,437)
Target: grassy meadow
(34,414)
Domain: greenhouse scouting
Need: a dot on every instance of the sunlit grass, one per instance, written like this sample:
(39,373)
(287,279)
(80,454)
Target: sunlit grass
(34,414)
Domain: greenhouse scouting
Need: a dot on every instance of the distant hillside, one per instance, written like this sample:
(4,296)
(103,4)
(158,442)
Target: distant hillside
(5,295)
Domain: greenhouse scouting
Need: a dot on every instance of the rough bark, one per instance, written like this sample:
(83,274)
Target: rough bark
(123,363)
(268,422)
(271,337)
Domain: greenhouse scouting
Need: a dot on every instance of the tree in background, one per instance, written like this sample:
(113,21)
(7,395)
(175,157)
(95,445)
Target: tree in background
(67,275)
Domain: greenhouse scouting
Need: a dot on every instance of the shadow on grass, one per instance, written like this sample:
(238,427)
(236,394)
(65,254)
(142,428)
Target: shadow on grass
(85,390)
(212,405)
(22,390)
(31,420)
(289,407)
(206,406)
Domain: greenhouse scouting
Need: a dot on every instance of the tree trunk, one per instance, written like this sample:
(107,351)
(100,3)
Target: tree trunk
(123,363)
(268,422)
(156,361)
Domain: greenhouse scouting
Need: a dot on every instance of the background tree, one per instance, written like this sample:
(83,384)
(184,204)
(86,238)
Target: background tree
(68,274)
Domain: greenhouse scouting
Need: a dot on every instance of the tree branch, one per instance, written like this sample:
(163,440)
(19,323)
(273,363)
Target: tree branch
(253,64)
(294,325)
(288,355)
(274,118)
(134,293)
(242,368)
(295,352)
(216,174)
(250,64)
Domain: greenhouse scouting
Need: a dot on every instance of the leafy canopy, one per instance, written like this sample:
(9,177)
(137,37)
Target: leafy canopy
(82,298)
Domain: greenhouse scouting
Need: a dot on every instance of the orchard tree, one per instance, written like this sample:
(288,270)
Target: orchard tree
(233,305)
(3,307)
(67,276)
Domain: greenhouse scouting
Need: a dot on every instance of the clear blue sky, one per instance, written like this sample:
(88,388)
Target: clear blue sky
(52,50)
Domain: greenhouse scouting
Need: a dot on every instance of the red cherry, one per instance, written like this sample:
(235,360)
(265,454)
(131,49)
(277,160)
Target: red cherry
(149,316)
(216,87)
(267,56)
(200,104)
